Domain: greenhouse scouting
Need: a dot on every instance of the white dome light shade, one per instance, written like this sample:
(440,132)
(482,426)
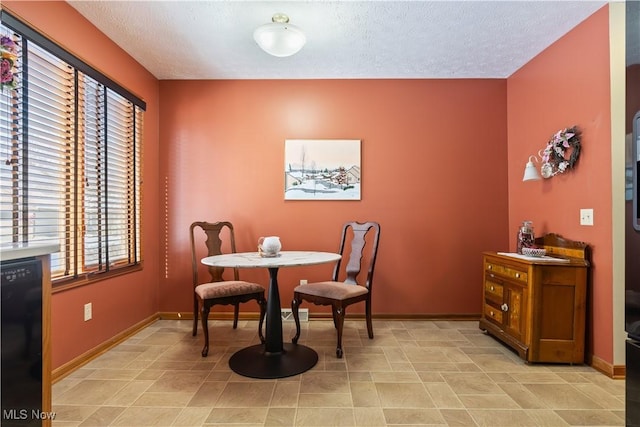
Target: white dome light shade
(280,38)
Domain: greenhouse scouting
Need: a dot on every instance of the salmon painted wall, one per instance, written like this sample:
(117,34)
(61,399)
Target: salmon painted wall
(568,84)
(124,301)
(434,169)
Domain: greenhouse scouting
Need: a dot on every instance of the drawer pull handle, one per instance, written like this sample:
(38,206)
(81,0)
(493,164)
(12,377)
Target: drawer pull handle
(489,267)
(517,275)
(493,314)
(492,288)
(504,307)
(492,276)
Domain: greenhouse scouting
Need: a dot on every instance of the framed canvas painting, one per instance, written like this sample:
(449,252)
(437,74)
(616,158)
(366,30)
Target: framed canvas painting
(322,169)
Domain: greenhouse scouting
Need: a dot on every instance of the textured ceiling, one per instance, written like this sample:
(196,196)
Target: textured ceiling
(345,39)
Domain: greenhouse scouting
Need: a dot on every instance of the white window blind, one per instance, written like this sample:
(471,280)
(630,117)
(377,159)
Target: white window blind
(70,161)
(45,152)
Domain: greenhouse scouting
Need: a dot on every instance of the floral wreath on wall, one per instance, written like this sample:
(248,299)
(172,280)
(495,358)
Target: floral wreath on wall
(561,153)
(8,57)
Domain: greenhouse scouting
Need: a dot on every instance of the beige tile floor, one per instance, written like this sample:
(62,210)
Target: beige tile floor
(413,373)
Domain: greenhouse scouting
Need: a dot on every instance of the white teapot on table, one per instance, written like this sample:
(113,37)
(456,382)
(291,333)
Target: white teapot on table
(269,246)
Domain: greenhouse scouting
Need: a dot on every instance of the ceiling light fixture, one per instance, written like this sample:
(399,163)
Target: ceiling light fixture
(279,38)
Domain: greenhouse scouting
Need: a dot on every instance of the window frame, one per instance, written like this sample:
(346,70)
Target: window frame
(82,273)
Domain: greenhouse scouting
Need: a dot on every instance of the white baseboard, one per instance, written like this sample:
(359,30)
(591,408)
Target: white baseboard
(287,314)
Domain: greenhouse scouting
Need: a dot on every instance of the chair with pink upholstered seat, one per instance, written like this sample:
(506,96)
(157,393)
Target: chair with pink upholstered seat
(345,287)
(218,290)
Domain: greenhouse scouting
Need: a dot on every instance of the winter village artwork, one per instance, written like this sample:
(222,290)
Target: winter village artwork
(322,169)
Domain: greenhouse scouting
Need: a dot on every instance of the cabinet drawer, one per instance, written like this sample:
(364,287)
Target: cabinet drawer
(510,272)
(493,291)
(493,313)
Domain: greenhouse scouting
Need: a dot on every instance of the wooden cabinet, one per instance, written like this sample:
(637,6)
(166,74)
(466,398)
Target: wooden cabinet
(538,306)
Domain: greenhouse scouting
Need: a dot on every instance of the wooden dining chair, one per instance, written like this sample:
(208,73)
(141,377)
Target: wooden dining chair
(344,288)
(218,290)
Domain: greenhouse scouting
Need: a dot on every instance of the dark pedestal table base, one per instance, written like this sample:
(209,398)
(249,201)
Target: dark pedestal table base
(254,362)
(274,358)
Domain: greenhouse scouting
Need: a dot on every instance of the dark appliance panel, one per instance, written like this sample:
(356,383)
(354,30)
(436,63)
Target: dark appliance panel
(632,208)
(632,405)
(632,238)
(21,294)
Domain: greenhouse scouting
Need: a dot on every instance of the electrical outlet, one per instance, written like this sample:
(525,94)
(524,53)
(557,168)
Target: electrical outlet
(303,281)
(87,311)
(586,216)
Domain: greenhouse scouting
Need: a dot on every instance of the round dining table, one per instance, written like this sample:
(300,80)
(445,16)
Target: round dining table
(274,358)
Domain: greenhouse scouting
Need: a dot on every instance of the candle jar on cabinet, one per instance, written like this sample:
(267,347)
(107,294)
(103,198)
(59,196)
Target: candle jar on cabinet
(525,236)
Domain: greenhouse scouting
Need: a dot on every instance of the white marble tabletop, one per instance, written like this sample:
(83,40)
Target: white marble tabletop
(534,258)
(14,251)
(284,259)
